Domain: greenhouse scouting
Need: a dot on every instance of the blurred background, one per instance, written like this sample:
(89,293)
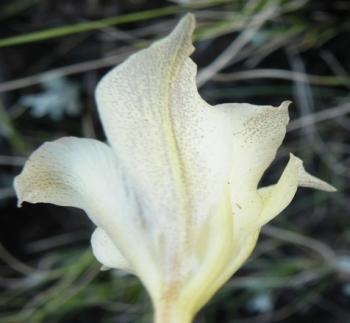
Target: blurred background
(52,54)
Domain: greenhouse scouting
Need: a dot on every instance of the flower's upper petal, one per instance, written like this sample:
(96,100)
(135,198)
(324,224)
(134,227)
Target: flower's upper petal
(173,145)
(84,173)
(106,252)
(277,197)
(258,131)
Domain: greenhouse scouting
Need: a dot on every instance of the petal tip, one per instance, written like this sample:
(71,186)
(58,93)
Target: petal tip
(284,110)
(104,268)
(307,180)
(20,198)
(188,22)
(19,203)
(184,30)
(331,189)
(285,105)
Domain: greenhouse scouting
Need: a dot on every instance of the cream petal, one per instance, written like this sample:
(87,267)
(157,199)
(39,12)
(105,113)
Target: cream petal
(240,252)
(179,151)
(214,247)
(84,173)
(277,197)
(74,172)
(106,252)
(173,145)
(257,133)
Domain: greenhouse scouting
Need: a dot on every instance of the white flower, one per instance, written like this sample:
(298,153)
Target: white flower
(174,195)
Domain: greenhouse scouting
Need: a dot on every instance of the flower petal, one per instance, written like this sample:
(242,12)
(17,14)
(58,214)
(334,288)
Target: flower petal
(277,197)
(71,172)
(106,252)
(258,131)
(243,248)
(84,173)
(173,146)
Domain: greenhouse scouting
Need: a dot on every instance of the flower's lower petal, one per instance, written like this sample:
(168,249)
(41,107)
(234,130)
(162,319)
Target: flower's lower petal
(106,252)
(277,197)
(71,171)
(84,173)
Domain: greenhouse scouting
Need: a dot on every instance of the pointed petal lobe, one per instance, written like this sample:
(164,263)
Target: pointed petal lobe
(277,197)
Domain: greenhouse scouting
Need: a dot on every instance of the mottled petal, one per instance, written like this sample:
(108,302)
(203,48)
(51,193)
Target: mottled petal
(106,252)
(277,197)
(174,147)
(257,133)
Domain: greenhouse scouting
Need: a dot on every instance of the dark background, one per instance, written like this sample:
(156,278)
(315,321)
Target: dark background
(256,51)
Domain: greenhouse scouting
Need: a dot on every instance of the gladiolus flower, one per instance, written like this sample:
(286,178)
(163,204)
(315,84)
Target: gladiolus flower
(174,194)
